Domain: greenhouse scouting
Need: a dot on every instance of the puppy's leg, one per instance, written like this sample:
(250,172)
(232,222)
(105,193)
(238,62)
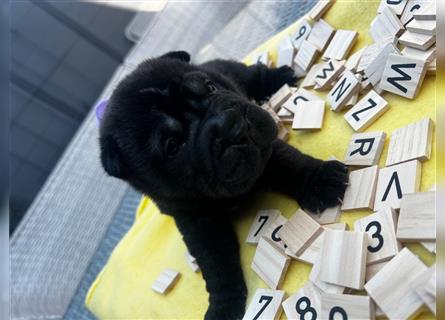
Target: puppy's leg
(214,244)
(314,183)
(258,81)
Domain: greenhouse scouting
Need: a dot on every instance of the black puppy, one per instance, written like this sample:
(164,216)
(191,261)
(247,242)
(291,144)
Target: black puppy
(190,137)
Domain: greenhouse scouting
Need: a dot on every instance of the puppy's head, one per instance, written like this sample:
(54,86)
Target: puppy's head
(174,130)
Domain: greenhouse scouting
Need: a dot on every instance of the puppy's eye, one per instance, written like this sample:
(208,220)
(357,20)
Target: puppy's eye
(172,146)
(210,86)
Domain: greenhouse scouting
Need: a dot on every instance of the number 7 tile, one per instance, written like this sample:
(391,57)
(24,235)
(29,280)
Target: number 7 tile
(263,220)
(265,304)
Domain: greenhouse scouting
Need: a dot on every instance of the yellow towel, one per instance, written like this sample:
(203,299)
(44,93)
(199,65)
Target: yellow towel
(122,289)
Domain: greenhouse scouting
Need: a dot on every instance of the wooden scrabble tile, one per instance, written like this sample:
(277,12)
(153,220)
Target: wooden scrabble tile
(299,232)
(301,34)
(191,261)
(431,67)
(403,75)
(265,305)
(321,34)
(315,278)
(391,289)
(396,6)
(283,113)
(422,26)
(305,303)
(429,245)
(270,263)
(343,90)
(273,230)
(286,53)
(371,51)
(262,221)
(310,254)
(320,9)
(373,269)
(328,73)
(417,218)
(309,115)
(298,71)
(262,57)
(328,216)
(427,11)
(411,142)
(365,149)
(279,97)
(395,181)
(353,61)
(428,55)
(417,40)
(374,71)
(408,13)
(306,55)
(366,111)
(343,258)
(340,44)
(301,95)
(309,79)
(346,306)
(381,230)
(425,287)
(385,24)
(165,281)
(354,98)
(361,189)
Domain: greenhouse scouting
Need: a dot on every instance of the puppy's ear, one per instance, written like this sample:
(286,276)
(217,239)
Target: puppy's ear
(110,156)
(178,55)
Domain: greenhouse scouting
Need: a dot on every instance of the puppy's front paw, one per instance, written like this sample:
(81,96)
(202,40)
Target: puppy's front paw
(281,76)
(326,188)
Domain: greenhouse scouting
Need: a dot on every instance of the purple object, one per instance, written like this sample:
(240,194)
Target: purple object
(100,110)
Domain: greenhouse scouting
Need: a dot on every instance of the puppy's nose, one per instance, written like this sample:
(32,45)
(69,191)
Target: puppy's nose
(231,125)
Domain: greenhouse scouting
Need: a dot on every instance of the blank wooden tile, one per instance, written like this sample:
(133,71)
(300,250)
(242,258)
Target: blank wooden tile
(411,142)
(340,44)
(320,9)
(309,79)
(309,115)
(365,149)
(395,181)
(375,68)
(321,34)
(306,55)
(165,281)
(311,253)
(191,261)
(305,303)
(381,230)
(343,258)
(315,278)
(286,53)
(396,6)
(301,33)
(385,24)
(343,90)
(422,26)
(371,51)
(301,95)
(270,263)
(353,61)
(366,111)
(328,73)
(373,269)
(299,231)
(417,40)
(262,221)
(279,97)
(429,245)
(360,192)
(427,11)
(425,287)
(417,219)
(391,289)
(329,215)
(346,306)
(265,304)
(273,230)
(428,55)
